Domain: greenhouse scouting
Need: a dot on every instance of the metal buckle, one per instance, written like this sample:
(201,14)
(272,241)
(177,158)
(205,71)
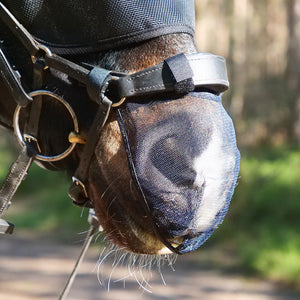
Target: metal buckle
(104,88)
(81,184)
(119,103)
(29,139)
(42,49)
(22,138)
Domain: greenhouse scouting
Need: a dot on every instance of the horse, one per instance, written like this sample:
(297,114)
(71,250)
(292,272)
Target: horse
(162,168)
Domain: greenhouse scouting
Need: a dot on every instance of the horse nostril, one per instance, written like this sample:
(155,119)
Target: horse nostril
(170,157)
(186,177)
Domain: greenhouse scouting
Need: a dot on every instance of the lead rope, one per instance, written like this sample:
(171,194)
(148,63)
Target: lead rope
(95,227)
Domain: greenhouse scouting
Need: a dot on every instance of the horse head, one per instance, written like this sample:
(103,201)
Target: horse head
(164,165)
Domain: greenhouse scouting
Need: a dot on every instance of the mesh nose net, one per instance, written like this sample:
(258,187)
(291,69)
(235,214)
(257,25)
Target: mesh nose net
(183,157)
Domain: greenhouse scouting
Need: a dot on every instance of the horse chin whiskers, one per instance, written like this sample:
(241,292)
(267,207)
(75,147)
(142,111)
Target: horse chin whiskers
(115,265)
(125,232)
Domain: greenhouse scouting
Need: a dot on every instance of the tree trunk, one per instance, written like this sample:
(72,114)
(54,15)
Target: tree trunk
(238,53)
(293,67)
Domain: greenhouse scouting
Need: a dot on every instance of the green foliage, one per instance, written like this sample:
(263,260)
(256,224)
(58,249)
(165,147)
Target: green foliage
(42,203)
(264,220)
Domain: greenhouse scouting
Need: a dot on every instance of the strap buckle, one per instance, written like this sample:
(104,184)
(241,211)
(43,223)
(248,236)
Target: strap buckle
(105,87)
(81,184)
(98,85)
(31,139)
(79,194)
(39,56)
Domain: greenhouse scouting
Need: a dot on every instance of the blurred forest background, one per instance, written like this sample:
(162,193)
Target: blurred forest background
(261,41)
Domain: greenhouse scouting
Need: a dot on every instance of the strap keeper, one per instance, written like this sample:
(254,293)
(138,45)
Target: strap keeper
(181,73)
(32,142)
(97,83)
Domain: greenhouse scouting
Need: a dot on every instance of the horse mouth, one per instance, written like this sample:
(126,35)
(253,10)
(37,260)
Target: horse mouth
(126,226)
(129,226)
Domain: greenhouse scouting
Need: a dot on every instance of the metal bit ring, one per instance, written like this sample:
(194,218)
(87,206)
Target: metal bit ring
(20,136)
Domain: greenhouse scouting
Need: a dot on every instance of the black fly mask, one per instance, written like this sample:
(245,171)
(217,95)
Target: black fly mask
(76,26)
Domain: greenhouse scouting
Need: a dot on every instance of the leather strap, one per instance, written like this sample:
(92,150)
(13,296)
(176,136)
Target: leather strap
(16,175)
(204,71)
(78,191)
(19,31)
(12,81)
(209,70)
(73,70)
(32,126)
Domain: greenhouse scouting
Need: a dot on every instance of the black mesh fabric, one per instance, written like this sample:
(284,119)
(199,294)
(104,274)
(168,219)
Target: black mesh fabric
(184,159)
(76,26)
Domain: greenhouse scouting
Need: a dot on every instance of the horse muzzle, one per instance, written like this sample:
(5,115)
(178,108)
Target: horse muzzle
(184,161)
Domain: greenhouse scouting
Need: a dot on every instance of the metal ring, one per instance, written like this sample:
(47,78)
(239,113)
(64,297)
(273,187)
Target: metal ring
(47,52)
(119,103)
(116,104)
(20,135)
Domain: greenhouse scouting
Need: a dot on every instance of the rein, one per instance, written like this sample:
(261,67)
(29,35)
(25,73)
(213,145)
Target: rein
(179,74)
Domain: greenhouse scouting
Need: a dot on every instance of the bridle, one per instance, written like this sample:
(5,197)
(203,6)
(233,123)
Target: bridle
(179,74)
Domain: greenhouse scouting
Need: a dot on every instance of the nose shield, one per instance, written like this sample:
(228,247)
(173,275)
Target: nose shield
(184,160)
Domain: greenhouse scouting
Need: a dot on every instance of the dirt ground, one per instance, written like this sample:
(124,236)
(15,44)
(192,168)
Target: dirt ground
(34,268)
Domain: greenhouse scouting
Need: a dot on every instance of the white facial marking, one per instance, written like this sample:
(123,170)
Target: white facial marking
(212,167)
